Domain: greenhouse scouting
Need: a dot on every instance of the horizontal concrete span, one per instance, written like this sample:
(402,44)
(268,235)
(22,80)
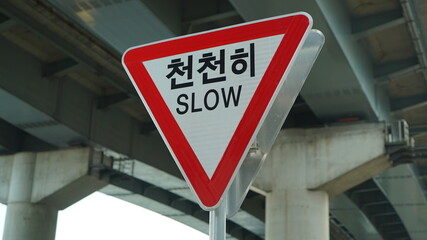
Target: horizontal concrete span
(335,158)
(74,116)
(49,163)
(347,89)
(61,111)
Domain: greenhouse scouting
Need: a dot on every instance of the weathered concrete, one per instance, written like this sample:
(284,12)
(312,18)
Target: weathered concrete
(297,214)
(30,221)
(306,167)
(39,185)
(23,219)
(331,159)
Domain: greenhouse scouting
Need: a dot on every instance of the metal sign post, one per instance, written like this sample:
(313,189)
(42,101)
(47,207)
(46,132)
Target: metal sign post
(217,222)
(219,99)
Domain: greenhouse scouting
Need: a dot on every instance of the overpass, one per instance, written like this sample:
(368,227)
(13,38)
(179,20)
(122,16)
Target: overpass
(62,86)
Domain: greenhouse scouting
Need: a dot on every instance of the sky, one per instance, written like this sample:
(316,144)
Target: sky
(100,216)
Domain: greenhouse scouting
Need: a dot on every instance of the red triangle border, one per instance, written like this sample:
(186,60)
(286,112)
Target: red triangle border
(210,191)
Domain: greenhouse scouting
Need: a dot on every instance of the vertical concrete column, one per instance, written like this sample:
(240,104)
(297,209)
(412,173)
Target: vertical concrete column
(35,186)
(297,214)
(25,220)
(293,211)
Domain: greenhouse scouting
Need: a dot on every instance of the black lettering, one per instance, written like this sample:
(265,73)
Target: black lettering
(235,67)
(216,99)
(252,59)
(193,100)
(175,85)
(230,95)
(182,103)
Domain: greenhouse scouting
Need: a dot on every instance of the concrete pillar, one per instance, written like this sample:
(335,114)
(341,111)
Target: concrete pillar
(307,167)
(37,185)
(293,211)
(29,221)
(297,214)
(25,220)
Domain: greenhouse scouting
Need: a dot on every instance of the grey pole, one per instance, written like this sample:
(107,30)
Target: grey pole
(217,221)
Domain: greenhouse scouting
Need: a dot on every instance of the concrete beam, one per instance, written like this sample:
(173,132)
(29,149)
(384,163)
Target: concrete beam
(369,197)
(62,178)
(105,102)
(43,21)
(169,13)
(335,158)
(347,88)
(6,23)
(412,13)
(393,67)
(13,139)
(363,27)
(76,112)
(58,178)
(112,129)
(59,67)
(408,102)
(418,129)
(346,214)
(356,176)
(10,136)
(193,24)
(397,74)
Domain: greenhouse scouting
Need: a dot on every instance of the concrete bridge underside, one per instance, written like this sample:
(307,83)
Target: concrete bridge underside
(62,85)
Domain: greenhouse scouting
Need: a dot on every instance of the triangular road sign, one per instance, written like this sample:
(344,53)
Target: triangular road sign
(208,93)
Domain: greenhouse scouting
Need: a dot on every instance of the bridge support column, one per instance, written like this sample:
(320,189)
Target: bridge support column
(297,214)
(30,221)
(38,186)
(307,167)
(25,220)
(293,211)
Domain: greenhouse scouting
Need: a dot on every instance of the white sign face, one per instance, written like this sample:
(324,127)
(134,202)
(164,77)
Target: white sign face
(208,91)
